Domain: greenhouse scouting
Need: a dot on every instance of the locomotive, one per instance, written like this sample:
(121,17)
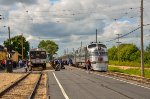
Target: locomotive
(97,53)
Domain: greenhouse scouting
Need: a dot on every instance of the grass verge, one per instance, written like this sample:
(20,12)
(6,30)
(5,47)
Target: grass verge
(132,71)
(132,64)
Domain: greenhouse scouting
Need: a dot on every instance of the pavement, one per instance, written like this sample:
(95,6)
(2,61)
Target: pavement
(74,83)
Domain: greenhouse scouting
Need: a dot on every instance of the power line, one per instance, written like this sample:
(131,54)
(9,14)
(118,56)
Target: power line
(126,33)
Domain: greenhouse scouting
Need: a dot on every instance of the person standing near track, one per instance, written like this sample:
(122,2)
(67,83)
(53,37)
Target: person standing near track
(88,65)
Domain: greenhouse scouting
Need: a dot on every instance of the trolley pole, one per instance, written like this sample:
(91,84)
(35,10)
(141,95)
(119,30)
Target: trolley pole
(142,45)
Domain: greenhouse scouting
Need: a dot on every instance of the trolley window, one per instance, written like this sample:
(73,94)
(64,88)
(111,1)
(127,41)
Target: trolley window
(43,55)
(32,55)
(38,54)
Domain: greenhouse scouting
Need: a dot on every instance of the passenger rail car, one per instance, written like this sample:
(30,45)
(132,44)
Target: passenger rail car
(96,52)
(38,57)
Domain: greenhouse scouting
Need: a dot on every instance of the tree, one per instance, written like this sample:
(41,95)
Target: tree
(16,42)
(127,52)
(148,48)
(112,53)
(147,55)
(50,46)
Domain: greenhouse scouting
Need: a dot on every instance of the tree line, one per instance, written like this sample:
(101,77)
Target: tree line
(128,53)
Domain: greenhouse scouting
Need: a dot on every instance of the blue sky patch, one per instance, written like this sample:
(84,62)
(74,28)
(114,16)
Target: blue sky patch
(54,1)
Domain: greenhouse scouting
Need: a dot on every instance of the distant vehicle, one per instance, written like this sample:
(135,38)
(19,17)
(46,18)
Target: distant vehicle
(97,54)
(38,57)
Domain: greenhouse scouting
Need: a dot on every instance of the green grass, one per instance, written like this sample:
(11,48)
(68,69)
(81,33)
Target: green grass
(133,71)
(132,64)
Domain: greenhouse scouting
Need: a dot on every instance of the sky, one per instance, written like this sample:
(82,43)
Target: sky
(70,22)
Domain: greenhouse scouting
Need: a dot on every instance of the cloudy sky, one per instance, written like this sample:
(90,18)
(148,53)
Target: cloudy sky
(68,22)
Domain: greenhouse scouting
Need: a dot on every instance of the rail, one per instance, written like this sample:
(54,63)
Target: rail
(125,76)
(13,84)
(35,88)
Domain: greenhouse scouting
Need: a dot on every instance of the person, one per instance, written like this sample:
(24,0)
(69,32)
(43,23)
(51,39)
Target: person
(88,65)
(59,65)
(3,63)
(20,63)
(26,66)
(29,65)
(70,61)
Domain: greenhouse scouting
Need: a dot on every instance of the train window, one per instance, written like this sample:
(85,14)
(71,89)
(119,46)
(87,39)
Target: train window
(92,45)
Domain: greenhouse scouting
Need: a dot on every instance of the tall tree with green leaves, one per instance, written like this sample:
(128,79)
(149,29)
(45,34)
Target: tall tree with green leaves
(50,46)
(129,52)
(16,42)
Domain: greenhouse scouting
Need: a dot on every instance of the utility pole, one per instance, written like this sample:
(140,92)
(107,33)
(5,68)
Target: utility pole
(142,45)
(118,47)
(9,62)
(39,39)
(80,53)
(22,46)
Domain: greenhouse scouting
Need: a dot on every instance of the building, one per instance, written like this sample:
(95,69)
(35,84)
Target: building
(3,54)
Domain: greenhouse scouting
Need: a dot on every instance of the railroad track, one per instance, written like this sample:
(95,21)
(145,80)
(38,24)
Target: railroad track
(130,77)
(125,76)
(23,88)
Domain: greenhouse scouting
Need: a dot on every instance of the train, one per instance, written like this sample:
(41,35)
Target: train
(38,57)
(97,53)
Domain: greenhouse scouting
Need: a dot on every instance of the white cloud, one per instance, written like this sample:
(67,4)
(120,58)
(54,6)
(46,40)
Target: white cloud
(68,22)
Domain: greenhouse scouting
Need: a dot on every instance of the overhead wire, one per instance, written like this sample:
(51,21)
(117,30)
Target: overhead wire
(126,33)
